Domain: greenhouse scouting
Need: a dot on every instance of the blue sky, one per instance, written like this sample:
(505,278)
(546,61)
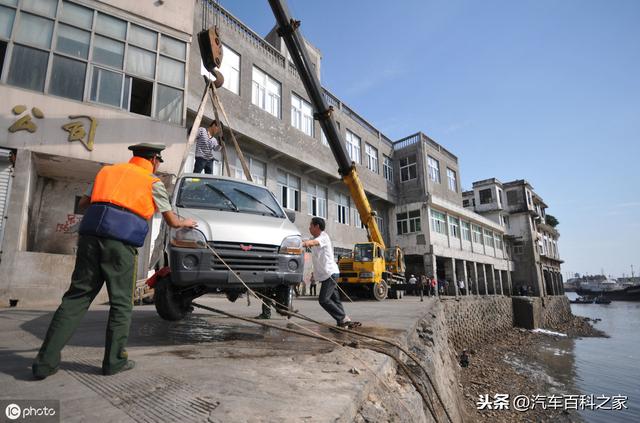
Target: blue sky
(544,90)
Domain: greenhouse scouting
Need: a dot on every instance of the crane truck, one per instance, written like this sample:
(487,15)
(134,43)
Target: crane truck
(371,267)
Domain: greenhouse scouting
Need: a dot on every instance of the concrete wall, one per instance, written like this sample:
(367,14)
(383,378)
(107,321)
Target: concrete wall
(473,321)
(445,160)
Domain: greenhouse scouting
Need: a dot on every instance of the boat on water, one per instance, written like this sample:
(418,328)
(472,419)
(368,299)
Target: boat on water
(630,293)
(588,299)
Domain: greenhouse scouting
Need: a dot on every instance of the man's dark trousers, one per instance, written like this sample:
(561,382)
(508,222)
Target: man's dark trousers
(98,260)
(202,163)
(329,299)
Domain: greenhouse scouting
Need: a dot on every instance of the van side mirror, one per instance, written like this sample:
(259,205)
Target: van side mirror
(291,215)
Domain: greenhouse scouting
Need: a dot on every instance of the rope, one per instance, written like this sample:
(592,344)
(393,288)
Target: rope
(284,309)
(311,332)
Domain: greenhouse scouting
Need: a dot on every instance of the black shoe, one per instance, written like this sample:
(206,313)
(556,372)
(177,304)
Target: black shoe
(130,364)
(262,317)
(37,375)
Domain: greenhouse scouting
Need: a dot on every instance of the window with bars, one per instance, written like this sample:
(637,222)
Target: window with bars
(266,92)
(438,222)
(434,169)
(408,222)
(485,196)
(289,190)
(454,227)
(408,168)
(67,47)
(317,201)
(353,146)
(466,230)
(452,181)
(387,168)
(477,233)
(372,157)
(342,209)
(301,114)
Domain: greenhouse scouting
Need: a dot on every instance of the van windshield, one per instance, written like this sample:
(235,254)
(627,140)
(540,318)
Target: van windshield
(223,194)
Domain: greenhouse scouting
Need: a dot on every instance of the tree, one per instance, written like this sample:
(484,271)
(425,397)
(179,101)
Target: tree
(551,220)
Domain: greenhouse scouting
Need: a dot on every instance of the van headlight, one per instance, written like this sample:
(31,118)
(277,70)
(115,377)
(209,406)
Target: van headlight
(187,238)
(291,245)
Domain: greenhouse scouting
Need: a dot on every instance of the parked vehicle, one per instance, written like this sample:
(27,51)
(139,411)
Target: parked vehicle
(240,225)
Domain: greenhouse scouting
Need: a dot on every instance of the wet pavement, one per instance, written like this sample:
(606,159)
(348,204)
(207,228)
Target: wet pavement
(206,367)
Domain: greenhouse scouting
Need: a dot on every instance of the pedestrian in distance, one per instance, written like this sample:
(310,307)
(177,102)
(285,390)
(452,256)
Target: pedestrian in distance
(412,284)
(121,200)
(325,270)
(206,145)
(422,281)
(461,286)
(312,287)
(433,285)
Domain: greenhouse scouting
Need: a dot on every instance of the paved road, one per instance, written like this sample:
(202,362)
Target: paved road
(205,367)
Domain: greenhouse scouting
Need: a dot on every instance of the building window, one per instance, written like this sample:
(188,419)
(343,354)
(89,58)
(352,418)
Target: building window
(529,200)
(488,238)
(438,222)
(323,138)
(466,231)
(380,222)
(342,209)
(434,169)
(357,222)
(498,240)
(230,68)
(372,158)
(451,178)
(257,168)
(408,168)
(466,202)
(289,190)
(89,51)
(353,146)
(318,201)
(301,115)
(477,234)
(265,92)
(517,250)
(505,221)
(408,222)
(387,168)
(454,227)
(485,196)
(500,200)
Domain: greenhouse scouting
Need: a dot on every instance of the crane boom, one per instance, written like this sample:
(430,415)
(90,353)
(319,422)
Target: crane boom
(288,30)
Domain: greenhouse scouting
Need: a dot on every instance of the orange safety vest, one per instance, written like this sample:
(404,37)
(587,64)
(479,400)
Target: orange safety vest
(127,185)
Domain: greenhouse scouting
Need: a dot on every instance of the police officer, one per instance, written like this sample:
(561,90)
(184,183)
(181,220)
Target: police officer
(122,199)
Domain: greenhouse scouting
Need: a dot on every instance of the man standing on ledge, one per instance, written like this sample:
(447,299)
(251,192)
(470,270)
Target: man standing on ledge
(206,144)
(326,270)
(121,200)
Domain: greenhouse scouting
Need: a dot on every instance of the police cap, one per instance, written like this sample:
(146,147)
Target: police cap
(147,149)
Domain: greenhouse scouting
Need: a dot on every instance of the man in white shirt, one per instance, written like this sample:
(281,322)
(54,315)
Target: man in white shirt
(325,270)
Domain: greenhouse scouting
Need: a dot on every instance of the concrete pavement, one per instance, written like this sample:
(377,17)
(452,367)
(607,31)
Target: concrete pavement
(206,367)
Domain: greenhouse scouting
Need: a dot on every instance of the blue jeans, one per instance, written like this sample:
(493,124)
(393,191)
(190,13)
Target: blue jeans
(202,163)
(329,298)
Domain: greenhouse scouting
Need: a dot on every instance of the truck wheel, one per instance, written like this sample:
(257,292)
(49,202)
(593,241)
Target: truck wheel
(284,297)
(169,304)
(379,290)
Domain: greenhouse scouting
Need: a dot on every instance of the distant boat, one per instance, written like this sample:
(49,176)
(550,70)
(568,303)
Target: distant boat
(630,293)
(582,300)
